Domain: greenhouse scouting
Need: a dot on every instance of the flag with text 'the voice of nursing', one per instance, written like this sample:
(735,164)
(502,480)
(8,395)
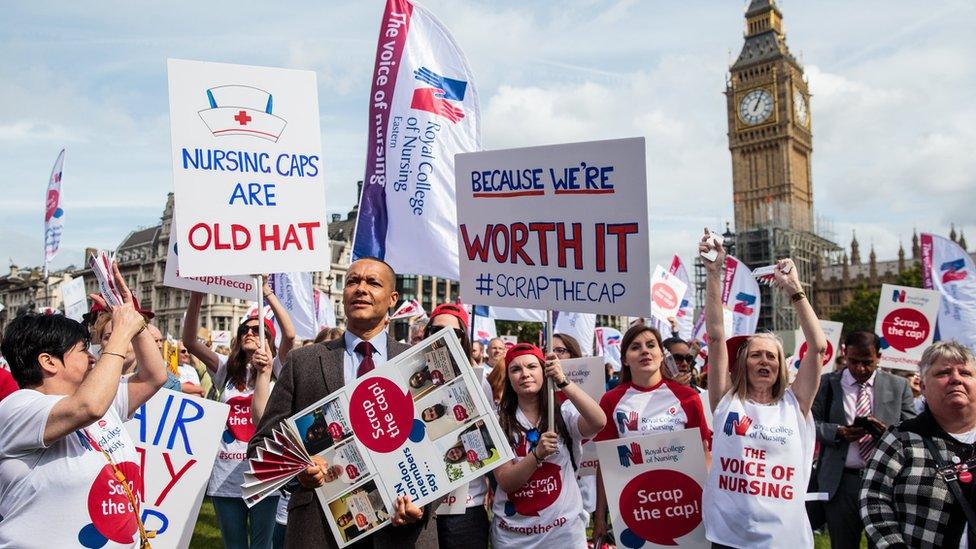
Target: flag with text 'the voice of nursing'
(423,109)
(946,267)
(53,214)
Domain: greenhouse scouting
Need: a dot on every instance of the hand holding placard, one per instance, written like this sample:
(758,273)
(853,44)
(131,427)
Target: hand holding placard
(710,245)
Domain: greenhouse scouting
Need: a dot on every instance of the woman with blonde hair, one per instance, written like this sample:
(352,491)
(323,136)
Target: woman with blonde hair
(762,455)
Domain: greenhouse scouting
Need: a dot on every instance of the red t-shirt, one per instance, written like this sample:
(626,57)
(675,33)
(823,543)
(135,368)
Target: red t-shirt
(668,406)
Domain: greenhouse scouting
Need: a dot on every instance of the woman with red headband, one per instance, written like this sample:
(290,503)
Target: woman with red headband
(243,380)
(470,530)
(754,495)
(537,501)
(645,402)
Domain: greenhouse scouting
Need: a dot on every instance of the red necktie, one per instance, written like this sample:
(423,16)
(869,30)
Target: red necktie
(365,349)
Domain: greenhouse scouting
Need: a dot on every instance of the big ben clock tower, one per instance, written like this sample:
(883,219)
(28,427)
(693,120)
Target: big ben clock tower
(769,128)
(770,139)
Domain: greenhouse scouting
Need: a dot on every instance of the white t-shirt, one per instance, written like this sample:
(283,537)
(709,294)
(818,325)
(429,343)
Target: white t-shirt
(65,494)
(188,374)
(228,470)
(548,510)
(633,411)
(761,460)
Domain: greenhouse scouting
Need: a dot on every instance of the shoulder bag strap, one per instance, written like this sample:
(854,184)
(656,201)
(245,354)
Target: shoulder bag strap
(953,483)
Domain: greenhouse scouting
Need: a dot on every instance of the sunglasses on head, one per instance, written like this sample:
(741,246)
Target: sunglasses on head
(457,331)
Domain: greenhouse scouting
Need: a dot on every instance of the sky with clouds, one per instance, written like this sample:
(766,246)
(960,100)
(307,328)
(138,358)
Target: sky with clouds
(893,115)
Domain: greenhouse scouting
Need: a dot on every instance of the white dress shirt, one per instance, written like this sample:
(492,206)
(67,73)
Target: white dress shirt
(851,390)
(351,359)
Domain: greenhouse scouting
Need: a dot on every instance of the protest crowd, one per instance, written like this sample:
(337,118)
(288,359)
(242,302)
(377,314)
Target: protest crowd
(298,433)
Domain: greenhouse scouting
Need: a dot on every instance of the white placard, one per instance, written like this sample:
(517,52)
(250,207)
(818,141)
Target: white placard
(590,374)
(178,437)
(667,291)
(906,324)
(832,331)
(654,487)
(247,169)
(73,296)
(561,227)
(240,287)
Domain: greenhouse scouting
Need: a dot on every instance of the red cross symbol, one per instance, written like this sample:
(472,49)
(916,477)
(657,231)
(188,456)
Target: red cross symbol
(243,118)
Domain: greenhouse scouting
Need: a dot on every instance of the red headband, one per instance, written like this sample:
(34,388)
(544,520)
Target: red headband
(524,349)
(452,310)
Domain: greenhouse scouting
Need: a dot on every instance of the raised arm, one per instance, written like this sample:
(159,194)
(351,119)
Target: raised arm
(718,359)
(190,326)
(808,377)
(96,393)
(284,321)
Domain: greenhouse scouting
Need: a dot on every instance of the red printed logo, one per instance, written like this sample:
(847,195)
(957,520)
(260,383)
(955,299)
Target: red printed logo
(661,506)
(352,472)
(539,492)
(239,421)
(905,329)
(335,429)
(460,414)
(361,520)
(663,296)
(381,414)
(108,505)
(437,377)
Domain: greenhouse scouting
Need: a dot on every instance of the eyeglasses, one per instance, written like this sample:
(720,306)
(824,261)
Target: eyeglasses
(684,358)
(184,352)
(560,350)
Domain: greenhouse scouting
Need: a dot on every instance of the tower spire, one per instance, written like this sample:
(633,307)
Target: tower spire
(855,249)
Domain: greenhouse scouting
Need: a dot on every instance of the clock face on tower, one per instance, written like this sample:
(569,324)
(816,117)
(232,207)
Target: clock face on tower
(756,107)
(800,108)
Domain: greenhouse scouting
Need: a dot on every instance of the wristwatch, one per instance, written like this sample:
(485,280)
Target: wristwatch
(563,384)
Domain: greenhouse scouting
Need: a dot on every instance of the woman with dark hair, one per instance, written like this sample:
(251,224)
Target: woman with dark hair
(644,402)
(543,455)
(469,530)
(244,381)
(565,346)
(762,415)
(65,457)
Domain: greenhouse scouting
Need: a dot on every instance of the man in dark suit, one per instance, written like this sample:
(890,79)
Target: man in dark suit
(859,391)
(314,371)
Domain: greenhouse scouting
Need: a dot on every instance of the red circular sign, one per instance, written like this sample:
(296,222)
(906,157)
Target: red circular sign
(905,329)
(827,355)
(663,296)
(460,414)
(539,492)
(381,414)
(108,504)
(661,506)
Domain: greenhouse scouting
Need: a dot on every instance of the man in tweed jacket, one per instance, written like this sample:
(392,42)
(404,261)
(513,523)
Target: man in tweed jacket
(905,501)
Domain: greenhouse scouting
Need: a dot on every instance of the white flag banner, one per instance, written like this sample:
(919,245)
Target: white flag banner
(518,315)
(423,110)
(294,291)
(740,293)
(408,309)
(324,310)
(483,327)
(608,345)
(53,213)
(580,326)
(948,269)
(74,298)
